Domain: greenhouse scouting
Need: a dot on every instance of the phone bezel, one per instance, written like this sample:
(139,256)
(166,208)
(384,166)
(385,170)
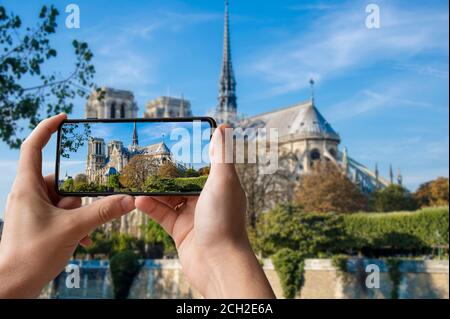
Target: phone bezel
(210,120)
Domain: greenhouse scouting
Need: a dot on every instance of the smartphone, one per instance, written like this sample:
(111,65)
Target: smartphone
(164,156)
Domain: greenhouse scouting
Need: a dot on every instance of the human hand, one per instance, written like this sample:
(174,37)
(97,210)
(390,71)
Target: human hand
(210,232)
(42,229)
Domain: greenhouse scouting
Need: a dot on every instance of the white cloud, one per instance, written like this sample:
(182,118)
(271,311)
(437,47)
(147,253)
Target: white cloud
(339,42)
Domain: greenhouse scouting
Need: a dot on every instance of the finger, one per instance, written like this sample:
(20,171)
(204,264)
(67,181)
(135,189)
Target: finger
(69,202)
(170,201)
(158,211)
(30,162)
(220,162)
(86,241)
(49,181)
(102,211)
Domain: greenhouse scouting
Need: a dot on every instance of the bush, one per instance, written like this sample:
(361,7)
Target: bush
(289,265)
(190,172)
(326,234)
(406,231)
(157,184)
(290,227)
(393,198)
(158,241)
(191,183)
(124,267)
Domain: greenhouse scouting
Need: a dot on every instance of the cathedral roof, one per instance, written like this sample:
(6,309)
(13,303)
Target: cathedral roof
(302,119)
(157,149)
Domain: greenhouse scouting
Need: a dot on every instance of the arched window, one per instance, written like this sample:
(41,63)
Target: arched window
(315,155)
(122,111)
(113,110)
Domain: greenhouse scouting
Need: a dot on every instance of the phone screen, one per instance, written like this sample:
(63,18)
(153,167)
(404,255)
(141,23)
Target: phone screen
(139,156)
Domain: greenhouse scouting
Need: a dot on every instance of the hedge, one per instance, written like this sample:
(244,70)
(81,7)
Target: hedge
(371,234)
(411,231)
(195,183)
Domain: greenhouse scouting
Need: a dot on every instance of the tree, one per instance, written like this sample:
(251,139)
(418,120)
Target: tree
(327,189)
(190,172)
(393,198)
(80,179)
(433,193)
(423,195)
(289,226)
(168,170)
(26,91)
(263,191)
(158,243)
(68,185)
(439,192)
(114,181)
(73,136)
(204,170)
(136,172)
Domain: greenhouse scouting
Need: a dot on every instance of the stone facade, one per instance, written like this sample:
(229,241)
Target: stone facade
(104,161)
(109,103)
(166,106)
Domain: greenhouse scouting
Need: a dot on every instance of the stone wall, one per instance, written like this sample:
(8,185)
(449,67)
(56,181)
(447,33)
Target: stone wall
(164,279)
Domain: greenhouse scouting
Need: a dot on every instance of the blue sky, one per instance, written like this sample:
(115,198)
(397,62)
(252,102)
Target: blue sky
(384,90)
(178,136)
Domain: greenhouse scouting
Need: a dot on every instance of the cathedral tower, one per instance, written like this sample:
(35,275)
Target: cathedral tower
(108,103)
(96,158)
(227,109)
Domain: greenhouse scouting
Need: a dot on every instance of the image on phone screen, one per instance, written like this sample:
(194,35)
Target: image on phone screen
(139,156)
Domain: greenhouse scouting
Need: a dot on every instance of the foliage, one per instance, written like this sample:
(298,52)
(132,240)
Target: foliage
(326,234)
(168,170)
(289,226)
(124,267)
(28,94)
(72,137)
(433,193)
(326,189)
(159,242)
(157,184)
(411,232)
(395,275)
(393,198)
(191,184)
(125,242)
(80,179)
(68,185)
(289,265)
(113,181)
(204,170)
(190,172)
(340,262)
(136,172)
(89,187)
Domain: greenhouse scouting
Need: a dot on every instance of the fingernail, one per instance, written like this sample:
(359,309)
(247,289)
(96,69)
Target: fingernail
(127,203)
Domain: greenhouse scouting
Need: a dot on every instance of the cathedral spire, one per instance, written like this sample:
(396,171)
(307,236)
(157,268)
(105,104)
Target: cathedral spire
(311,83)
(391,174)
(135,136)
(227,108)
(399,177)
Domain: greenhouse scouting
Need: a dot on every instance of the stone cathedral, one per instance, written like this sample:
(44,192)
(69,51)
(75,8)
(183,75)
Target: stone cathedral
(305,136)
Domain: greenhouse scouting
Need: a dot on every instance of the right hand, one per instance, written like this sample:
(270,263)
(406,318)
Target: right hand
(210,232)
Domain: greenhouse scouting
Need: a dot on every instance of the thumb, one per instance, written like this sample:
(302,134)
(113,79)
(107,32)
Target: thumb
(103,211)
(220,152)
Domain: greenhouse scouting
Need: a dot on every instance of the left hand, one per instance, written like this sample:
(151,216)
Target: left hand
(42,229)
